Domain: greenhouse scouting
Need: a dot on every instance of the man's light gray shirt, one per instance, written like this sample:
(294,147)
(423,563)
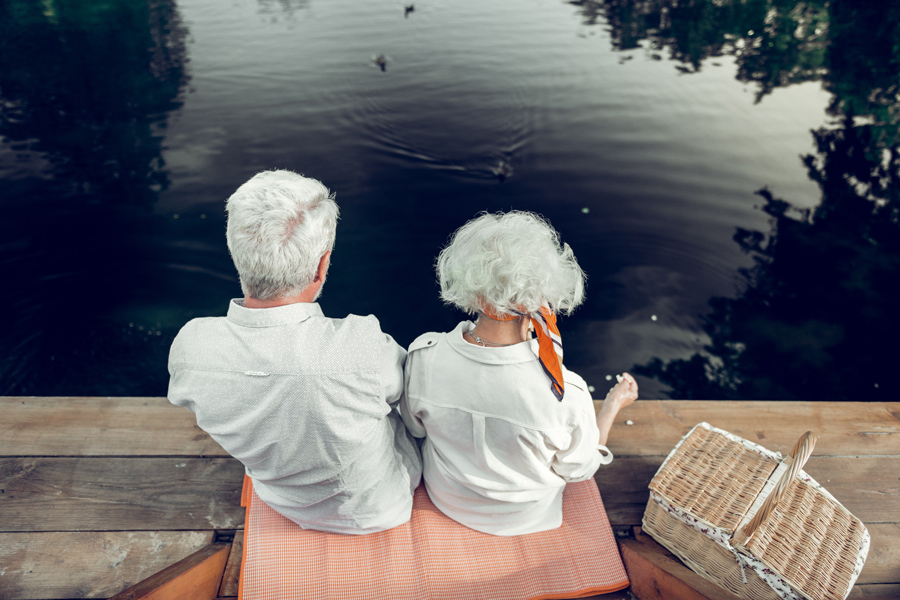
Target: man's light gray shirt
(306,403)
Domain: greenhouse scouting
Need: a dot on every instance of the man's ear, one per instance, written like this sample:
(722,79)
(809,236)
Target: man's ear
(323,266)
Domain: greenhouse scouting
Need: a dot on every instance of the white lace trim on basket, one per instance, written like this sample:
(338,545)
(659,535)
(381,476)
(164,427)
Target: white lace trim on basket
(723,538)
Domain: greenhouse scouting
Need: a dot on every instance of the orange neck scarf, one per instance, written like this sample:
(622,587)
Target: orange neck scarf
(549,344)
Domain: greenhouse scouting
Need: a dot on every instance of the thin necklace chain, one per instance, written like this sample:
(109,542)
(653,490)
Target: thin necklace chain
(485,343)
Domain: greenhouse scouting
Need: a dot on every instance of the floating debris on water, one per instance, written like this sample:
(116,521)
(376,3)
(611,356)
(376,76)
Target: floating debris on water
(502,170)
(381,61)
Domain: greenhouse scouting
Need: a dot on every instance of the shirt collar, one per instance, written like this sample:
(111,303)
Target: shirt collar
(503,355)
(271,317)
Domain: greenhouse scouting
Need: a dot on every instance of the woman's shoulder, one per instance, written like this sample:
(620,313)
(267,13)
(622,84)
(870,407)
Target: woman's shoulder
(433,339)
(574,379)
(426,340)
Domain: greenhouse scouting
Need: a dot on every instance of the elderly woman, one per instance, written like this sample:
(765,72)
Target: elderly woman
(506,425)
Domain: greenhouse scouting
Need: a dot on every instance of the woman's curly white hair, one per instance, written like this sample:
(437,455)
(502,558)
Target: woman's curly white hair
(509,263)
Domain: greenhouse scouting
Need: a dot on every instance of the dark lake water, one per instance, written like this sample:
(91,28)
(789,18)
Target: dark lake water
(725,171)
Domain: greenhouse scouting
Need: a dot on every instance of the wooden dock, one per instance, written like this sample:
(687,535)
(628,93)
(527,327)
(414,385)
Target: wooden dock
(100,494)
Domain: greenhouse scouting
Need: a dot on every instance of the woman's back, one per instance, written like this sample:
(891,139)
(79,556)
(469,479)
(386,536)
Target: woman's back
(499,446)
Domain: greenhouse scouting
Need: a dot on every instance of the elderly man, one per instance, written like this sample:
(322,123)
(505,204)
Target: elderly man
(305,402)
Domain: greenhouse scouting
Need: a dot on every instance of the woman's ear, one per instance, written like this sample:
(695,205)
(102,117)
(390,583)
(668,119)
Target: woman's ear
(525,327)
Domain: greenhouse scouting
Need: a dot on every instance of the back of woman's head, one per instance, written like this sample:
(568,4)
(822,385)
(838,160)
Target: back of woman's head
(509,262)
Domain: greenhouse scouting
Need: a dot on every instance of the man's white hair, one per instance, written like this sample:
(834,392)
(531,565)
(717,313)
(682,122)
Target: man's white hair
(507,263)
(280,224)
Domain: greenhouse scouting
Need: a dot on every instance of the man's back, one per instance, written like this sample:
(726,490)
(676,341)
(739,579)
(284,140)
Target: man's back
(304,402)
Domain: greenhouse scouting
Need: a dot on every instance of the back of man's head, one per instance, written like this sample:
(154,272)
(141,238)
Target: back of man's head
(280,224)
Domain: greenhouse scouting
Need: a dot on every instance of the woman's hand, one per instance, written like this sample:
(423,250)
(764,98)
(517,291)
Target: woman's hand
(623,393)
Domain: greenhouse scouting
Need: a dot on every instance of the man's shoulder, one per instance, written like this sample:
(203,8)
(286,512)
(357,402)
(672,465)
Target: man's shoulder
(367,322)
(356,327)
(200,326)
(203,323)
(201,330)
(355,338)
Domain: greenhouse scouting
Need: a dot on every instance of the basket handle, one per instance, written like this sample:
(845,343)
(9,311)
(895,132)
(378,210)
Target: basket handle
(799,455)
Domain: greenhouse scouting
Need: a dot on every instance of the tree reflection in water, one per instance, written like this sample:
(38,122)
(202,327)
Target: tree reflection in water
(818,317)
(87,127)
(814,322)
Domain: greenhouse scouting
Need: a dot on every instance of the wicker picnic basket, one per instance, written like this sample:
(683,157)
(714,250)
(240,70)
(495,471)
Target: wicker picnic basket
(753,522)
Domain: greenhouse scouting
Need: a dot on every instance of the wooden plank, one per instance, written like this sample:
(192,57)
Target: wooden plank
(883,563)
(110,492)
(623,487)
(232,576)
(867,486)
(87,564)
(101,427)
(875,592)
(195,577)
(657,575)
(82,494)
(844,428)
(120,494)
(107,426)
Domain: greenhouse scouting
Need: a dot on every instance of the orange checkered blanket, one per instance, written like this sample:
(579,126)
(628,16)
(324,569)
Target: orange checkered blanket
(432,557)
